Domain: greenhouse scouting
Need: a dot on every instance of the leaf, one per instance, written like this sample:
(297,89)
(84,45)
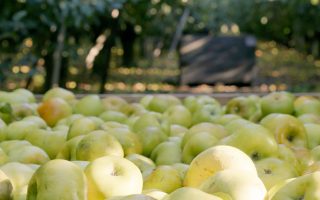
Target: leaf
(19,15)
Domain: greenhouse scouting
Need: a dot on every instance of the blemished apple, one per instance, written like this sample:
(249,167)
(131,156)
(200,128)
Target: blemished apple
(215,159)
(277,102)
(287,129)
(238,184)
(164,177)
(69,183)
(112,176)
(97,144)
(190,193)
(53,110)
(273,170)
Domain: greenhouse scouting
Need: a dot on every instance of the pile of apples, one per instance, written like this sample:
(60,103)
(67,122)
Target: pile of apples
(159,147)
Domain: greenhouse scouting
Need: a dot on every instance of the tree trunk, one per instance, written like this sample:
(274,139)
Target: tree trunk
(127,38)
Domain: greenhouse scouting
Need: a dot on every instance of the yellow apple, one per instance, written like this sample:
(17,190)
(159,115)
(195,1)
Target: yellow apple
(6,186)
(189,193)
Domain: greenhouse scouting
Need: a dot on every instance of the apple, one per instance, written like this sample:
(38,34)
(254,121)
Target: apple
(253,139)
(196,144)
(112,115)
(69,120)
(6,186)
(314,167)
(63,93)
(113,125)
(247,107)
(167,153)
(178,114)
(190,193)
(302,187)
(177,130)
(20,175)
(315,152)
(3,157)
(89,105)
(53,110)
(194,103)
(164,177)
(144,163)
(234,125)
(129,141)
(27,95)
(97,144)
(313,134)
(273,170)
(150,137)
(206,113)
(145,100)
(240,184)
(145,120)
(309,118)
(182,169)
(21,110)
(306,104)
(116,103)
(277,102)
(287,129)
(81,126)
(288,155)
(216,130)
(69,149)
(160,103)
(225,119)
(57,179)
(132,197)
(112,176)
(37,120)
(19,129)
(6,112)
(215,159)
(155,193)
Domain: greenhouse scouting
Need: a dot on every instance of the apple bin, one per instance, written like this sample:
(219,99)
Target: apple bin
(159,146)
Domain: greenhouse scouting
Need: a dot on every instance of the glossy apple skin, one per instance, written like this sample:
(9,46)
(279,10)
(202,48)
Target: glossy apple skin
(277,102)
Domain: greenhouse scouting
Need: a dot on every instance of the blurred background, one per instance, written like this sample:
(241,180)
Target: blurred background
(149,46)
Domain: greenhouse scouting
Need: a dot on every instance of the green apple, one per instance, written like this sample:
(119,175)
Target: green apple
(193,103)
(48,140)
(177,130)
(129,141)
(112,115)
(314,167)
(287,129)
(132,197)
(57,179)
(288,155)
(196,144)
(234,125)
(19,129)
(145,120)
(97,144)
(3,157)
(150,137)
(69,120)
(21,110)
(164,177)
(167,153)
(69,149)
(277,102)
(218,131)
(20,175)
(65,94)
(136,109)
(28,95)
(15,97)
(313,134)
(6,186)
(116,103)
(160,103)
(178,114)
(273,170)
(97,120)
(113,125)
(225,119)
(247,107)
(81,163)
(182,169)
(190,193)
(215,159)
(81,126)
(206,113)
(89,105)
(155,193)
(6,112)
(309,118)
(306,104)
(239,184)
(112,176)
(315,152)
(253,139)
(145,100)
(53,110)
(37,120)
(302,187)
(144,163)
